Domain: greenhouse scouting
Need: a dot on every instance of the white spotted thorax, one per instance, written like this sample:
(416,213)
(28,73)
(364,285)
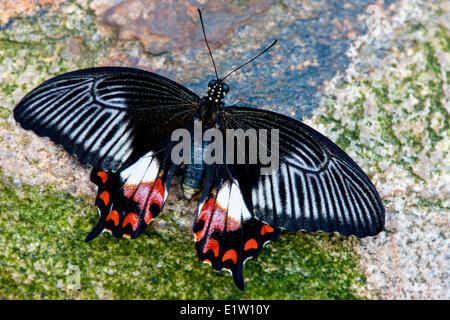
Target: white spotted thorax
(217,90)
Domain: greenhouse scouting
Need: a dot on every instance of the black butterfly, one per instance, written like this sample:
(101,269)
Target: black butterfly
(120,122)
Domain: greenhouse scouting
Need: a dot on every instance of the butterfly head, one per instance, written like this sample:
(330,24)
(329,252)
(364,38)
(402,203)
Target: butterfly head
(217,89)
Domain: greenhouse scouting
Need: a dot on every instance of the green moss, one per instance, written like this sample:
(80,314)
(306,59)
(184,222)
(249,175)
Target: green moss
(58,43)
(432,61)
(42,247)
(442,34)
(4,113)
(416,26)
(8,88)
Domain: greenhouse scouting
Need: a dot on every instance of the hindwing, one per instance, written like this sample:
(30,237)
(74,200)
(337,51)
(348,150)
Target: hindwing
(129,199)
(226,234)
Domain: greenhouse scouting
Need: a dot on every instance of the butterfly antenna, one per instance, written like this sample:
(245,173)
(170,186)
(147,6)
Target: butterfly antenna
(254,58)
(207,44)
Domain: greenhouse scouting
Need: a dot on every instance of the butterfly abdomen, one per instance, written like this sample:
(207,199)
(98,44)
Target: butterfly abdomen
(193,175)
(194,171)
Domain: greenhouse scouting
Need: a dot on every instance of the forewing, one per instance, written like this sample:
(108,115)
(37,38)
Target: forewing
(107,116)
(317,187)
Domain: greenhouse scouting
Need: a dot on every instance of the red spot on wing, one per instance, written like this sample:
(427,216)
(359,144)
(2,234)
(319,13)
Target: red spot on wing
(148,216)
(128,190)
(145,199)
(212,244)
(251,244)
(230,254)
(233,224)
(114,216)
(142,193)
(132,218)
(266,228)
(146,194)
(215,219)
(218,219)
(103,175)
(105,197)
(157,195)
(205,216)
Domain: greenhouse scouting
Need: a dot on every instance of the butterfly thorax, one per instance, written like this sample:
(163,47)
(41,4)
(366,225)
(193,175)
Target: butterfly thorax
(212,103)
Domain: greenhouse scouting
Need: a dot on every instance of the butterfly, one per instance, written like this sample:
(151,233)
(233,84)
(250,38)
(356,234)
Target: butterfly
(120,121)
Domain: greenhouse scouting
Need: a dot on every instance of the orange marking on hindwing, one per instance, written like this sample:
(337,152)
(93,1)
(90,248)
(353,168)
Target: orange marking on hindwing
(142,193)
(212,244)
(207,261)
(144,199)
(205,215)
(251,244)
(105,197)
(266,228)
(216,219)
(103,175)
(230,254)
(114,216)
(148,217)
(157,195)
(132,218)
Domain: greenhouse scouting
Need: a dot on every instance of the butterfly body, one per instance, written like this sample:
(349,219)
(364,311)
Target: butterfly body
(210,107)
(193,173)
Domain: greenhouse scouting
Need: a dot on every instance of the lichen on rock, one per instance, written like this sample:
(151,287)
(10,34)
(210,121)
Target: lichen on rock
(391,113)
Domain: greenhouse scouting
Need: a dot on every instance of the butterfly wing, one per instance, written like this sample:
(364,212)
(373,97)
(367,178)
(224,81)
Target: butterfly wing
(129,199)
(107,116)
(317,187)
(118,120)
(225,232)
